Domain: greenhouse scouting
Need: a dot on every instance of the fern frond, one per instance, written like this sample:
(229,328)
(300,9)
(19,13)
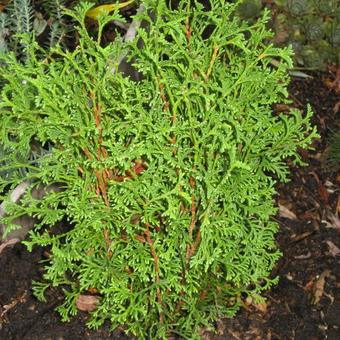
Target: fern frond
(21,15)
(3,32)
(56,35)
(54,8)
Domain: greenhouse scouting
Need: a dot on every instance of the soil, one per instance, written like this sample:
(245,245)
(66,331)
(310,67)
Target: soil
(304,305)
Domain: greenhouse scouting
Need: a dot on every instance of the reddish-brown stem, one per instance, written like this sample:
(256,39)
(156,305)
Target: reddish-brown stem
(107,242)
(101,191)
(102,186)
(155,259)
(109,173)
(193,218)
(166,104)
(188,31)
(140,238)
(97,190)
(173,141)
(88,154)
(101,175)
(192,224)
(193,215)
(104,152)
(104,175)
(196,243)
(203,294)
(212,61)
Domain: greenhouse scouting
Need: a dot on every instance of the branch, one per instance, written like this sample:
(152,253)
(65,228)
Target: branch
(212,61)
(155,259)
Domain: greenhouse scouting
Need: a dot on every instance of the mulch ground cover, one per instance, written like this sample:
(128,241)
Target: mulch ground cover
(304,305)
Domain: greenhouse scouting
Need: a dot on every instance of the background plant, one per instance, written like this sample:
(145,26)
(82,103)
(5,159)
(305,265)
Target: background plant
(312,27)
(42,19)
(168,182)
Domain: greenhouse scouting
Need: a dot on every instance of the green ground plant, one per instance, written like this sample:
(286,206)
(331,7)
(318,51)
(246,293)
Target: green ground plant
(167,183)
(312,27)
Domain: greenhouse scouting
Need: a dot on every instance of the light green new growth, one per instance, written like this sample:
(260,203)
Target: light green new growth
(168,182)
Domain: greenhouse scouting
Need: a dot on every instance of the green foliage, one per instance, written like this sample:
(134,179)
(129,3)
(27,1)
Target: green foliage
(168,182)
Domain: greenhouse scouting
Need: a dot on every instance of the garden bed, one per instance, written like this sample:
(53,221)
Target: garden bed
(304,305)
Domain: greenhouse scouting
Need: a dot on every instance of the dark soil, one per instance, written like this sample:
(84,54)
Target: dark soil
(304,305)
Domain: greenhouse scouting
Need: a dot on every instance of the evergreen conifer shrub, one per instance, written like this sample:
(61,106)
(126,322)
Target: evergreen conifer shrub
(167,183)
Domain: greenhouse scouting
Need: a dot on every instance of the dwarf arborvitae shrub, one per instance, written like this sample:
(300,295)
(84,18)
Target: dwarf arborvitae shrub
(166,183)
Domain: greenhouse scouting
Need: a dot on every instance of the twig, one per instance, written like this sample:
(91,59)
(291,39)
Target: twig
(193,215)
(191,226)
(212,61)
(193,219)
(155,259)
(196,243)
(166,105)
(188,31)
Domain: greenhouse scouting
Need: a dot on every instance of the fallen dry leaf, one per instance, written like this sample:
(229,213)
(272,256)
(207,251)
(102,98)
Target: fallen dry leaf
(261,307)
(285,212)
(311,215)
(309,285)
(332,221)
(297,238)
(93,291)
(314,174)
(87,303)
(304,256)
(319,286)
(8,243)
(282,107)
(13,303)
(333,84)
(324,195)
(333,249)
(337,210)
